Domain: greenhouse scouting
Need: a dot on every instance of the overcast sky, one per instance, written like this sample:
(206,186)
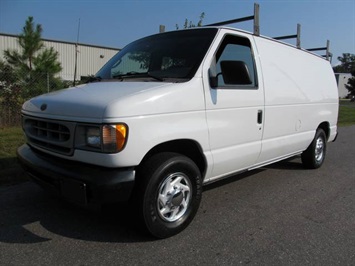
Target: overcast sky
(115,23)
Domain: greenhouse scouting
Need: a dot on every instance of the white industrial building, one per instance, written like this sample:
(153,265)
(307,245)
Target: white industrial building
(90,58)
(342,80)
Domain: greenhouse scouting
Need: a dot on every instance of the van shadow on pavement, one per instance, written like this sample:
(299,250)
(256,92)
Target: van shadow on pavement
(24,206)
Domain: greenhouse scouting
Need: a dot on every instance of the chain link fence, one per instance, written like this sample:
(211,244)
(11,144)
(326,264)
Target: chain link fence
(16,88)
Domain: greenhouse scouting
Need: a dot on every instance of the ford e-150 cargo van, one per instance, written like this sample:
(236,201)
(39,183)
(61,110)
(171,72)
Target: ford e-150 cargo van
(174,111)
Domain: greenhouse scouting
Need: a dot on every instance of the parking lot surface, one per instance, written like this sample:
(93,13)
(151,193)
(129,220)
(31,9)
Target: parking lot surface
(281,214)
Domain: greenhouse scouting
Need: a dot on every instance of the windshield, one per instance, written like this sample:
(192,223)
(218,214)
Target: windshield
(172,55)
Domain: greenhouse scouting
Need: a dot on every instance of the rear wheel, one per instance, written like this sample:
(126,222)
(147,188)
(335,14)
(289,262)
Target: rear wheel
(314,156)
(169,193)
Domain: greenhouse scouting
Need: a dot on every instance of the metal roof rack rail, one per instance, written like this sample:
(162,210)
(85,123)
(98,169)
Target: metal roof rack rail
(254,17)
(296,36)
(328,55)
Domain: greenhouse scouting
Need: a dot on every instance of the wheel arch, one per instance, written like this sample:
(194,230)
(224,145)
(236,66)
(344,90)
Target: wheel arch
(326,128)
(186,147)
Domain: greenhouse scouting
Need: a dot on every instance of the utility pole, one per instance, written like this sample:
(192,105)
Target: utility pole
(76,53)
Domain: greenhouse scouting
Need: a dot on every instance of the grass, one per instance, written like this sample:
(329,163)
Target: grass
(10,170)
(346,113)
(11,138)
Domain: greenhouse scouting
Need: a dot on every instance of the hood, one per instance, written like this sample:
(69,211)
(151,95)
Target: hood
(85,101)
(95,102)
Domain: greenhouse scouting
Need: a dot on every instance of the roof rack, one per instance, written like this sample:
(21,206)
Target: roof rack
(256,31)
(254,17)
(296,36)
(328,55)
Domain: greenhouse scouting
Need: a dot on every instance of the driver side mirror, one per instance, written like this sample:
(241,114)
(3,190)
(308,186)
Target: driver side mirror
(213,78)
(233,72)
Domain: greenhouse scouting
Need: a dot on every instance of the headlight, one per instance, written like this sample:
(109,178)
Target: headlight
(104,138)
(93,137)
(114,137)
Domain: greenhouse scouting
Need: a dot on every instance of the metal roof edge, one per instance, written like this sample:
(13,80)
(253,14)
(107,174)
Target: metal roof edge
(66,42)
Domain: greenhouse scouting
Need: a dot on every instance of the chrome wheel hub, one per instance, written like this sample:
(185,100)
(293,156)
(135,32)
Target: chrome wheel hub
(319,152)
(174,197)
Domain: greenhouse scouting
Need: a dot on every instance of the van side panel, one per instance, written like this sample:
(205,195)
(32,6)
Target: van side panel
(300,94)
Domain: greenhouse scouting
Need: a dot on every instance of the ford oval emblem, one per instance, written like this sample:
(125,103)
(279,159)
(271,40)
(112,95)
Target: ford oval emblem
(43,107)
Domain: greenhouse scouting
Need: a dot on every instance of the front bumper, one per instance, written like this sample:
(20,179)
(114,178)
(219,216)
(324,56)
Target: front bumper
(77,182)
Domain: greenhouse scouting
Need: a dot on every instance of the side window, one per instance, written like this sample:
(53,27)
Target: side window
(235,63)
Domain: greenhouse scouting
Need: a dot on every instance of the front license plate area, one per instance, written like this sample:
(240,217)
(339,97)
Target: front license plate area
(74,191)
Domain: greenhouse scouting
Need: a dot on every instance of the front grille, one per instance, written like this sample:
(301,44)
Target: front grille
(56,136)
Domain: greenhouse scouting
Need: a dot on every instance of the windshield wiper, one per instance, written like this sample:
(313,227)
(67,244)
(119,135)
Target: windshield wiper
(154,76)
(93,78)
(134,74)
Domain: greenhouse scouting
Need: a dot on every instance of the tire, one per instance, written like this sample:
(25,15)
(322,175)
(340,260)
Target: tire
(169,193)
(314,156)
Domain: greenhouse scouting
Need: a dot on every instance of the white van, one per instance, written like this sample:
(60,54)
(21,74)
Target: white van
(177,110)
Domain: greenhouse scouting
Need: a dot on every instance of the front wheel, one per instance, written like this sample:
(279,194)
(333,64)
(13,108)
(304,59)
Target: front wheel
(314,156)
(170,189)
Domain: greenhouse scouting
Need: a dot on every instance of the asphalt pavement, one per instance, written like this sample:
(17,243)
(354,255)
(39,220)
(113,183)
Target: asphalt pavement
(278,215)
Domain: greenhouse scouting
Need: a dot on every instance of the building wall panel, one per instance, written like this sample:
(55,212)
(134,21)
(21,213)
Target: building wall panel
(90,58)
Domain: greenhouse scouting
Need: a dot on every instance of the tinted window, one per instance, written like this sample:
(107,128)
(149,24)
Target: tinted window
(236,49)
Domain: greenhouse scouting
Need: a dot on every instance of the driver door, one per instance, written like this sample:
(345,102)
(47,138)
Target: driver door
(234,107)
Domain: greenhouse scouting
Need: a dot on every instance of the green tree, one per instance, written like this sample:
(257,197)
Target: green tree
(347,63)
(351,84)
(36,64)
(189,24)
(10,96)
